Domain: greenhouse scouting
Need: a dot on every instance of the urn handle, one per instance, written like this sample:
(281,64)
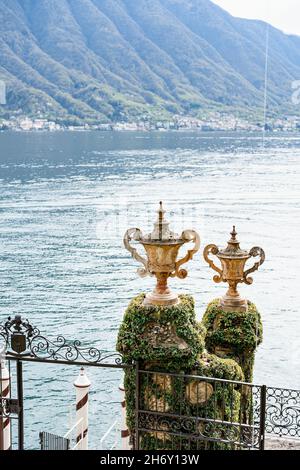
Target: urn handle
(187,236)
(254,252)
(136,234)
(214,250)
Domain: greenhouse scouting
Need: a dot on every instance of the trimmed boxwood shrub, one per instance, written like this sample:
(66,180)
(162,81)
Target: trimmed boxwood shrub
(234,335)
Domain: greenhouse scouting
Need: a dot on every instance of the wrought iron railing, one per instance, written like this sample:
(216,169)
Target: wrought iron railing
(283,412)
(189,412)
(174,411)
(23,341)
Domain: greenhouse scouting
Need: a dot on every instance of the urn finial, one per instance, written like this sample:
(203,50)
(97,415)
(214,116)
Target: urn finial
(162,248)
(233,260)
(161,231)
(233,234)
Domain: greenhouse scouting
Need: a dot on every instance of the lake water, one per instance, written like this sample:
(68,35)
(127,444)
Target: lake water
(66,200)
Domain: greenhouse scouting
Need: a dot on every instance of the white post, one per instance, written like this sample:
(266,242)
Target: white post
(82,385)
(125,435)
(5,439)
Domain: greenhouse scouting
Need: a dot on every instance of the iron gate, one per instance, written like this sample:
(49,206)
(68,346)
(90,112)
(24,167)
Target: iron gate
(21,342)
(173,411)
(189,412)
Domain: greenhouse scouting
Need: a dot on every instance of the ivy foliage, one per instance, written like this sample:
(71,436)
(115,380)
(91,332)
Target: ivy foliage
(210,365)
(237,333)
(234,335)
(136,339)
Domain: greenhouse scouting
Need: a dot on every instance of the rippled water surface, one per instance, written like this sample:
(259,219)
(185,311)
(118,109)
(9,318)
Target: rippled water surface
(65,202)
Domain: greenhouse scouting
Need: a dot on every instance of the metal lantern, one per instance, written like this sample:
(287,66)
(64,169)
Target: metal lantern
(162,249)
(233,260)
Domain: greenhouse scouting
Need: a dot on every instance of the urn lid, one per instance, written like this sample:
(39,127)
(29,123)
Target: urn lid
(233,249)
(161,233)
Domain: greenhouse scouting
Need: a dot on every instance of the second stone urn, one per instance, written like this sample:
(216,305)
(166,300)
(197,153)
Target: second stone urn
(233,260)
(162,249)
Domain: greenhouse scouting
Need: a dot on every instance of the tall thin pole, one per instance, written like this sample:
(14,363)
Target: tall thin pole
(1,409)
(263,404)
(82,386)
(5,425)
(266,83)
(125,434)
(137,406)
(20,403)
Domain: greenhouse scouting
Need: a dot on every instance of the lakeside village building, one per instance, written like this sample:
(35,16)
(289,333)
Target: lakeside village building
(216,122)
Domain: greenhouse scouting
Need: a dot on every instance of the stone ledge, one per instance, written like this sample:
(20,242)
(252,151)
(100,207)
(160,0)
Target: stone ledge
(273,443)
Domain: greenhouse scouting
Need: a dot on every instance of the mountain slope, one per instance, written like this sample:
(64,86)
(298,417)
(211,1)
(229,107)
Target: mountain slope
(121,59)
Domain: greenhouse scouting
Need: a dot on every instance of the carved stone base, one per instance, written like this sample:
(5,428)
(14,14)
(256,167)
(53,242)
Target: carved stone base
(162,294)
(233,304)
(154,298)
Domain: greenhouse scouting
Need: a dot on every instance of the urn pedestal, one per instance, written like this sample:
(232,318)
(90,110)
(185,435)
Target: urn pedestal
(234,335)
(175,389)
(168,342)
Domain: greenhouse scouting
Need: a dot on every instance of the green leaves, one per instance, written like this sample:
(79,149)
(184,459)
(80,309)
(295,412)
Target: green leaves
(106,60)
(234,334)
(137,338)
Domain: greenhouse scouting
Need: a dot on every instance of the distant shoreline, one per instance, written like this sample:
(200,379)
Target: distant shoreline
(151,131)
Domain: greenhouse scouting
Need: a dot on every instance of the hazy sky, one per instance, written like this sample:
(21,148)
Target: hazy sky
(283,14)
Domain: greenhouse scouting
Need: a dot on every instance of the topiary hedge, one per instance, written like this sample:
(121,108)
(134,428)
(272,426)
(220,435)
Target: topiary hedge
(234,335)
(169,339)
(161,335)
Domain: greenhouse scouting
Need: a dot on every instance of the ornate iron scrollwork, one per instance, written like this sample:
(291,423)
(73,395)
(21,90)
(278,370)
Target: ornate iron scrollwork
(31,343)
(191,428)
(283,412)
(16,334)
(6,408)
